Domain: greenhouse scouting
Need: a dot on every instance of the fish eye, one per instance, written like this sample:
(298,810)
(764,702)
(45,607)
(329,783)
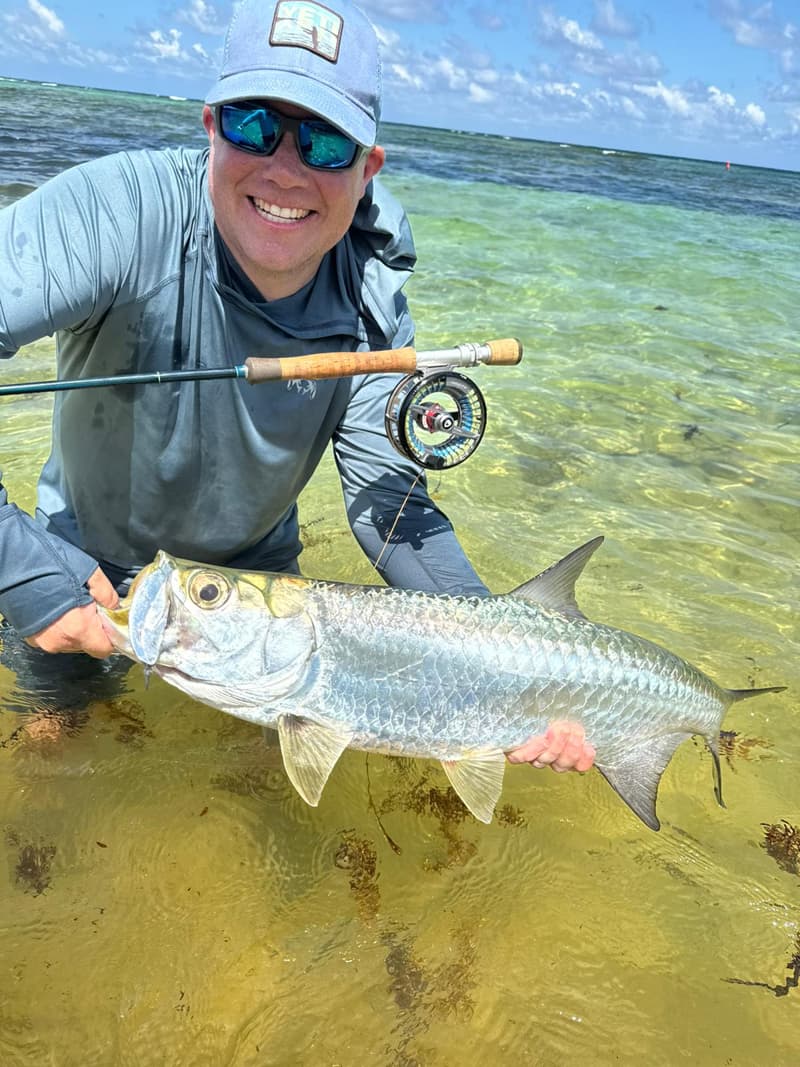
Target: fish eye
(208,589)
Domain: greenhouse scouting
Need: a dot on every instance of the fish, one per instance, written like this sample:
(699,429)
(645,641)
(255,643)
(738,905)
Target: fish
(462,680)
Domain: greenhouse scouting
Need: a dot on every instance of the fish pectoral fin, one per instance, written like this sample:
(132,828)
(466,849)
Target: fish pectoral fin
(636,775)
(478,780)
(310,751)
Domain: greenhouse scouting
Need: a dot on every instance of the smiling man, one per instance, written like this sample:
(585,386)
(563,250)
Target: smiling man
(274,241)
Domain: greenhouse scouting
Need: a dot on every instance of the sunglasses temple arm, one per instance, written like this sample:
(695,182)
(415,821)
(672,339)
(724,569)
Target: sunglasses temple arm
(505,353)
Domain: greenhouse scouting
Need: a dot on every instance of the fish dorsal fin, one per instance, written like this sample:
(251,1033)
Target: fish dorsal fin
(478,780)
(636,774)
(310,751)
(555,587)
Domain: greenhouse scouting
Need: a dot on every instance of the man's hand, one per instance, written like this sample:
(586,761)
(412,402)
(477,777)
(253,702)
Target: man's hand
(564,748)
(80,629)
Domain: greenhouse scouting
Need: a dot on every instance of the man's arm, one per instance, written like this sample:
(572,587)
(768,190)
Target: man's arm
(49,589)
(392,516)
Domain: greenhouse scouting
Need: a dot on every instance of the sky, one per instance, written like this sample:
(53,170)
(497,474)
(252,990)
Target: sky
(708,79)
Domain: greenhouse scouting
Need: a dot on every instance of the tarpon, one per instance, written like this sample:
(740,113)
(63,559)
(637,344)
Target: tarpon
(459,679)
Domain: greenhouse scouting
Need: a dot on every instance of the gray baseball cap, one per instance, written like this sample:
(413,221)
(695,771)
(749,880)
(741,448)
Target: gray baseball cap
(321,58)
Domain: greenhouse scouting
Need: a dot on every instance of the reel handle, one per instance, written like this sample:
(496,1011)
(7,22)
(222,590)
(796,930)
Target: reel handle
(504,353)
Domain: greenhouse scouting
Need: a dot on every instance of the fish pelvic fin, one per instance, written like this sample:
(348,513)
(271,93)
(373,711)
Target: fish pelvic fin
(478,780)
(635,776)
(555,587)
(310,751)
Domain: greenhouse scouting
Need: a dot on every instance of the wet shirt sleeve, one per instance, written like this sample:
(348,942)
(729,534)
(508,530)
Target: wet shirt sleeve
(41,577)
(64,249)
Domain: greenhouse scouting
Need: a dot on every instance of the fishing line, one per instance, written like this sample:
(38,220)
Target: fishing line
(397,518)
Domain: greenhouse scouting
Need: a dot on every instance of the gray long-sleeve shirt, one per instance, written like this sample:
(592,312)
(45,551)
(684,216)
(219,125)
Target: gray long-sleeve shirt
(121,260)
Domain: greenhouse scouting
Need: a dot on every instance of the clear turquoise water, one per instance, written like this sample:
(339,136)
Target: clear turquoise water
(166,898)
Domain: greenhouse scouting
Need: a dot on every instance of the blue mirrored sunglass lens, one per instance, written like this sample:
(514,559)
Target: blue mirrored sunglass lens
(252,128)
(323,146)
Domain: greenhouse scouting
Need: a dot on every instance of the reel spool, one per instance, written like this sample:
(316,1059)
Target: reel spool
(436,419)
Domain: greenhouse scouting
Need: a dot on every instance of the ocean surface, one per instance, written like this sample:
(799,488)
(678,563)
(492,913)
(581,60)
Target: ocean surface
(165,896)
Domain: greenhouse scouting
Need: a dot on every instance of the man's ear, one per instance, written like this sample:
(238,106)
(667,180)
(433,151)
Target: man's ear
(208,121)
(375,159)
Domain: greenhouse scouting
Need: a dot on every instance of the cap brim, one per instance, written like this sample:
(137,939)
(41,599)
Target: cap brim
(292,88)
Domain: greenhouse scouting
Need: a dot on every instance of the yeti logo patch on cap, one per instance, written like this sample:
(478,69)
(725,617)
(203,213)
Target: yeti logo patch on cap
(305,24)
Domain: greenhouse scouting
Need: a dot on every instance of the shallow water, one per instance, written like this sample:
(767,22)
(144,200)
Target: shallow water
(165,897)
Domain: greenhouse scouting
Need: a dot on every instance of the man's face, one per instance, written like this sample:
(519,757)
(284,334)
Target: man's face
(276,215)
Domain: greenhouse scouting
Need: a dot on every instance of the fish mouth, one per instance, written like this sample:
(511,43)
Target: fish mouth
(138,625)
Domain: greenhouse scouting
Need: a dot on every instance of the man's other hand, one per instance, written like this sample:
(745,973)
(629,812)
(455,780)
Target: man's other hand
(80,629)
(564,748)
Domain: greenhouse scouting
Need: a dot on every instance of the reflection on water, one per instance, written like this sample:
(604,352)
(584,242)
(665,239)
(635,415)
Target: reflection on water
(165,896)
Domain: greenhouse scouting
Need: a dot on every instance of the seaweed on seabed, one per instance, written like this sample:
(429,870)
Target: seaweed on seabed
(734,747)
(358,857)
(444,805)
(792,980)
(32,870)
(782,842)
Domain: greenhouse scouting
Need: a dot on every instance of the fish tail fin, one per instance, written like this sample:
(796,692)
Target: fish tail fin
(712,741)
(734,695)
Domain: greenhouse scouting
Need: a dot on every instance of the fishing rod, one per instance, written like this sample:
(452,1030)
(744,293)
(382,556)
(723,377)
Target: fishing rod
(434,416)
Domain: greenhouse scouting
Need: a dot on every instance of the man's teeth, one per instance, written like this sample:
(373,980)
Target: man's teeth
(280,214)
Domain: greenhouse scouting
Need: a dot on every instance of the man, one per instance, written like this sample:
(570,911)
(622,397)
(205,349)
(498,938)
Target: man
(274,242)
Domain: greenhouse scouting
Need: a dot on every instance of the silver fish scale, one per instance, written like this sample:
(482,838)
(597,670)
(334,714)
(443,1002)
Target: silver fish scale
(441,676)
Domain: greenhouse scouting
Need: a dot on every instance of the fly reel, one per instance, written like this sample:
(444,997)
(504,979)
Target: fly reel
(436,418)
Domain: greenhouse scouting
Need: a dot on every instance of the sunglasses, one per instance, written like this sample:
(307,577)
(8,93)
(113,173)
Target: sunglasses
(254,127)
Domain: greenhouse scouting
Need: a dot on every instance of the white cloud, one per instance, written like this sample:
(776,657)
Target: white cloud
(560,89)
(756,115)
(404,75)
(387,39)
(720,99)
(455,77)
(487,18)
(673,100)
(407,10)
(48,19)
(202,17)
(558,30)
(612,22)
(479,95)
(631,109)
(163,45)
(756,25)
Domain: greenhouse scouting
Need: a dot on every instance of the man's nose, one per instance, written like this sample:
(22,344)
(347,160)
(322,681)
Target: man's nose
(286,157)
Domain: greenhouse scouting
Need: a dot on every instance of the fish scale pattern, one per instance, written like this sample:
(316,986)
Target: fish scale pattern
(441,676)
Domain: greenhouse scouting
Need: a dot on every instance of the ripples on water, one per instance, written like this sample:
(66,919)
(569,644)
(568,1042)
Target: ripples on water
(166,896)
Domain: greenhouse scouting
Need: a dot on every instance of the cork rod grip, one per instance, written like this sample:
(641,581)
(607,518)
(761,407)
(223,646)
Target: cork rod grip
(330,365)
(505,353)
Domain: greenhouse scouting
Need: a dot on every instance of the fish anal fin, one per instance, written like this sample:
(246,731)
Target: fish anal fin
(310,751)
(478,780)
(555,587)
(635,775)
